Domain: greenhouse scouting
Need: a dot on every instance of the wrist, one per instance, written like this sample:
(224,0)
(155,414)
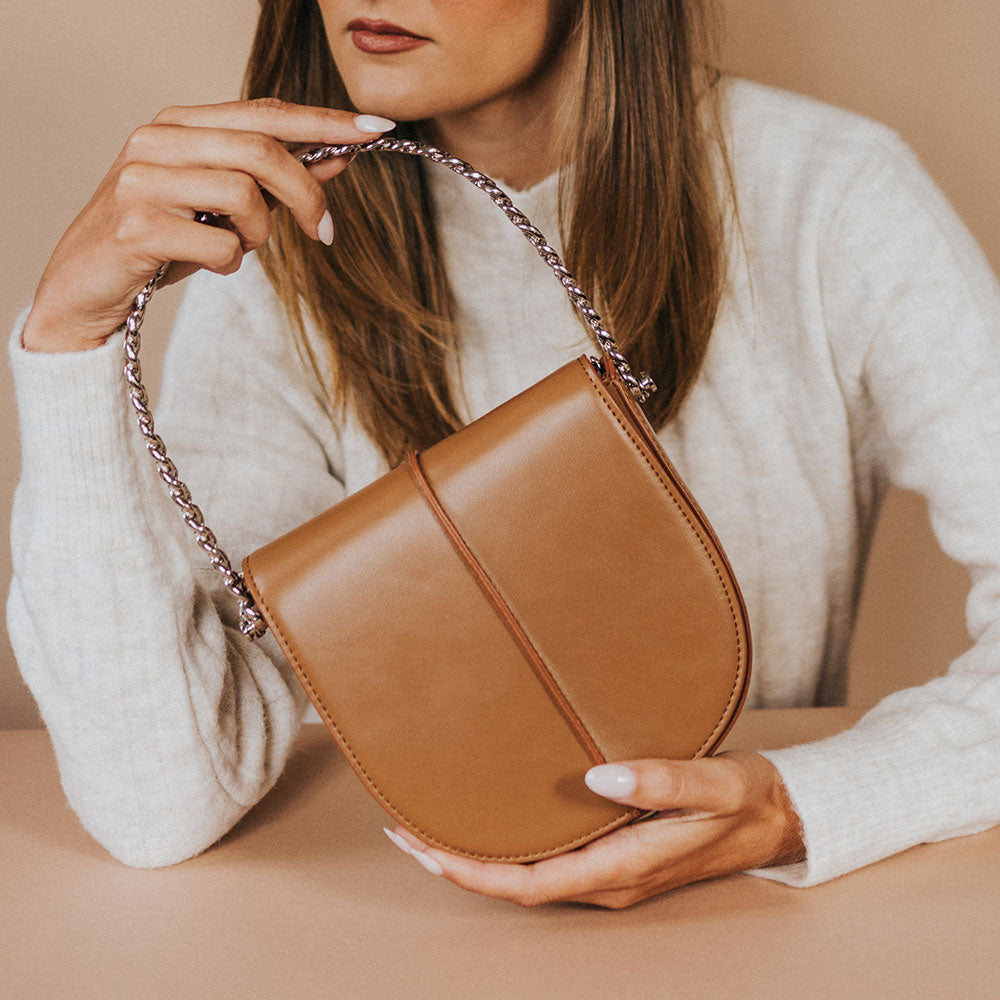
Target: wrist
(43,335)
(789,841)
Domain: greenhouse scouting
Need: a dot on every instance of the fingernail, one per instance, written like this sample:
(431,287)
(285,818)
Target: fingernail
(613,781)
(427,861)
(325,229)
(373,123)
(397,840)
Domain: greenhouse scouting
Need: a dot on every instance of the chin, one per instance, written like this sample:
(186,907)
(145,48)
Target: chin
(403,98)
(398,107)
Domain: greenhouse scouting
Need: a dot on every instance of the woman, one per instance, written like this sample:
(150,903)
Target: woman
(798,344)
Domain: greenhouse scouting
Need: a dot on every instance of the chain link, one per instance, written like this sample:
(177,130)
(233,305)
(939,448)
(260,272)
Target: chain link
(252,623)
(642,386)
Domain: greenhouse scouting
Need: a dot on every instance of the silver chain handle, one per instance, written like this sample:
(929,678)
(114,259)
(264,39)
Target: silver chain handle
(252,624)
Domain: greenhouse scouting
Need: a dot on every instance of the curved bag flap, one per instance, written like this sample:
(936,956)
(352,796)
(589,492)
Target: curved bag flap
(534,594)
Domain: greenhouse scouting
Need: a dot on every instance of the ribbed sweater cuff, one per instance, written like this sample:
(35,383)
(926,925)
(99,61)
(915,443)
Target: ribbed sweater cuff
(862,795)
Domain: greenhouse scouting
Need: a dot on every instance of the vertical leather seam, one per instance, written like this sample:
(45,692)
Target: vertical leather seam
(502,608)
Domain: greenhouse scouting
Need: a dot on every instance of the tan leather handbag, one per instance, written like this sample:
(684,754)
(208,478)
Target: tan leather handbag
(535,594)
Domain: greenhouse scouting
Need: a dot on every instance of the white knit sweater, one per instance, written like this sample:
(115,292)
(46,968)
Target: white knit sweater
(858,344)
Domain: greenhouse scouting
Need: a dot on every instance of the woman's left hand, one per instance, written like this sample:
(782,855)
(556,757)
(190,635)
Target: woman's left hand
(716,816)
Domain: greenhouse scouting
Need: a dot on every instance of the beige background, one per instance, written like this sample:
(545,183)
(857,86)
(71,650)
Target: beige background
(77,77)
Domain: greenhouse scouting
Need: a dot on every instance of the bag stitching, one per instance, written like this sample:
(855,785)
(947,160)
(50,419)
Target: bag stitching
(359,767)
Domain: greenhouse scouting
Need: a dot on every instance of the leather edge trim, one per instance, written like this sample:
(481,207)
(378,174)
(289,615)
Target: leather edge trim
(503,609)
(726,579)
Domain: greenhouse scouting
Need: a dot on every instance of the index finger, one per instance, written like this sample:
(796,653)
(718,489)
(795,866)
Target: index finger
(280,119)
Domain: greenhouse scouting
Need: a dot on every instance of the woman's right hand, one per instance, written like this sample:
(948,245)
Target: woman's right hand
(224,158)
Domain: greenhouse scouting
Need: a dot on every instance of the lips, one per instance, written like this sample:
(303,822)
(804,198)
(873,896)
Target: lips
(383,37)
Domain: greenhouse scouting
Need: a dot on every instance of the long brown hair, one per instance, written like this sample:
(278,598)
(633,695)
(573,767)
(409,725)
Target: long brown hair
(643,156)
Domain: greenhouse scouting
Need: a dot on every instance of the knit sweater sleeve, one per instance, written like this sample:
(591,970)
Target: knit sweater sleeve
(167,724)
(913,314)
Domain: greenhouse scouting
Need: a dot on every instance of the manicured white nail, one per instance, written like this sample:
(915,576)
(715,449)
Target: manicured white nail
(373,123)
(325,229)
(613,781)
(427,861)
(397,840)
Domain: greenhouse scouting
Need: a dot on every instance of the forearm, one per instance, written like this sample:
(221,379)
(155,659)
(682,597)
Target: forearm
(166,723)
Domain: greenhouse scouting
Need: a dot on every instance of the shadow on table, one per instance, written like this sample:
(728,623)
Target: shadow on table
(314,809)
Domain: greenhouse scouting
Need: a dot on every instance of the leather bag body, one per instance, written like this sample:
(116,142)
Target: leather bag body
(533,595)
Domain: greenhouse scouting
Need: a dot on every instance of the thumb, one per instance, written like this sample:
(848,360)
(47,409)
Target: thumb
(714,785)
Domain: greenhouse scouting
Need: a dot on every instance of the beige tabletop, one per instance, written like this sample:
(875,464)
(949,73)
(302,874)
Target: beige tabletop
(306,899)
